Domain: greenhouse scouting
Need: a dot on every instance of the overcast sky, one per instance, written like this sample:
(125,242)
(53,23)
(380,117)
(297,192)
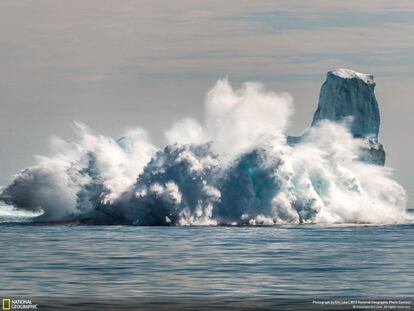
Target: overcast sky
(117,64)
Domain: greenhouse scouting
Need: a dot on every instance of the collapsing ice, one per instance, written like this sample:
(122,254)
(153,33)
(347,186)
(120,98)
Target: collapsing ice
(238,167)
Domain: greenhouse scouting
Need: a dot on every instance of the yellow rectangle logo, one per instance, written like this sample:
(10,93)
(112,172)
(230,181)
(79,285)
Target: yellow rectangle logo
(5,303)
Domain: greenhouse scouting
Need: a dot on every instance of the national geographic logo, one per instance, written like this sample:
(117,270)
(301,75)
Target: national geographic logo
(17,304)
(5,304)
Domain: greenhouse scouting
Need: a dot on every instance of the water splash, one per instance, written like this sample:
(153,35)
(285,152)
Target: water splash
(235,167)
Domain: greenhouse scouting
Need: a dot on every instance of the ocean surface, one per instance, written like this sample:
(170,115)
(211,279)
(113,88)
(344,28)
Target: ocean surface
(128,261)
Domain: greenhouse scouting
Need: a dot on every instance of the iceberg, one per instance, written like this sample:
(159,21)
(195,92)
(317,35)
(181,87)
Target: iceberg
(348,97)
(235,168)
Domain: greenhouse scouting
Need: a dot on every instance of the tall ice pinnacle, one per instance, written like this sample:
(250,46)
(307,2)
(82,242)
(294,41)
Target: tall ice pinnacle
(347,93)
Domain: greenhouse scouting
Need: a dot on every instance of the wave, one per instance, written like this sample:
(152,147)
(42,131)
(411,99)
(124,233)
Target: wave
(233,168)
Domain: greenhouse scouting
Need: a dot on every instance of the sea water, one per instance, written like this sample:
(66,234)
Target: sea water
(239,262)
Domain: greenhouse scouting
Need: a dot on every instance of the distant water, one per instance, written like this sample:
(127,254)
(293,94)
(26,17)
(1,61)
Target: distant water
(127,261)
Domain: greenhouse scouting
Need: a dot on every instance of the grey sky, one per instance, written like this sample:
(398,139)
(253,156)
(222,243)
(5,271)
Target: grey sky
(118,64)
